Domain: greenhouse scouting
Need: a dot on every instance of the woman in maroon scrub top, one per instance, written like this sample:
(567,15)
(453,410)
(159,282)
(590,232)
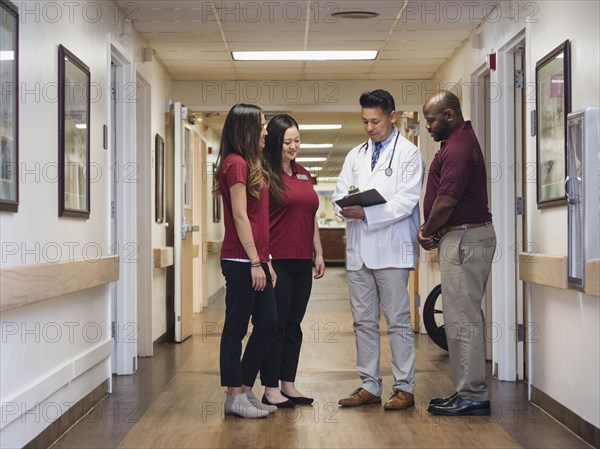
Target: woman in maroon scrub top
(295,243)
(242,182)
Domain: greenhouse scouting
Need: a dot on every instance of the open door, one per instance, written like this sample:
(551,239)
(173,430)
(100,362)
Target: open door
(520,157)
(183,252)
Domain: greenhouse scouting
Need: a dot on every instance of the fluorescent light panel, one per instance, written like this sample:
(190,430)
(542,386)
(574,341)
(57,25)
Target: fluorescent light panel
(316,145)
(319,127)
(7,55)
(304,55)
(311,159)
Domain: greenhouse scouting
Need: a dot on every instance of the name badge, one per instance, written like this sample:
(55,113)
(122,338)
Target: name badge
(301,177)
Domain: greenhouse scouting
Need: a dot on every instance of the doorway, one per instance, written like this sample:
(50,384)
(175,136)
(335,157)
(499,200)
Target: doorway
(481,118)
(144,218)
(508,189)
(180,202)
(123,232)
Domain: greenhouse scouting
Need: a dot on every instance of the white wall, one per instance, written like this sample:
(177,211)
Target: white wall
(297,96)
(565,359)
(161,91)
(56,352)
(565,351)
(43,345)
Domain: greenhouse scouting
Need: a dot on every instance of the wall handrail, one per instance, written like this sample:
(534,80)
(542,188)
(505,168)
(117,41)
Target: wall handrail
(28,284)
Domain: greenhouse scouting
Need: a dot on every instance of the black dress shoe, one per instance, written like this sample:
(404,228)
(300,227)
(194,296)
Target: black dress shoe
(286,404)
(300,400)
(461,407)
(440,401)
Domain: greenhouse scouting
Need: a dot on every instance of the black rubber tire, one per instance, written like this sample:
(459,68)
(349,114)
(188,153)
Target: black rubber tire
(435,332)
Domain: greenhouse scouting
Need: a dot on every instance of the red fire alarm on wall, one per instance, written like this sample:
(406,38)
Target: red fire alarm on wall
(491,61)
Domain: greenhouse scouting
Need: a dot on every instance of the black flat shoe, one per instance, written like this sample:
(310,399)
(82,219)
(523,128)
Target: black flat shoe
(461,407)
(300,400)
(441,401)
(286,404)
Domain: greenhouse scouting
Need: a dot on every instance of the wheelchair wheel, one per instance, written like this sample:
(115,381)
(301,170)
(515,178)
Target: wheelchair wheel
(433,318)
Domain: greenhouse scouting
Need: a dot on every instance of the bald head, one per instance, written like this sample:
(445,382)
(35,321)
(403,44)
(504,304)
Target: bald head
(444,99)
(442,114)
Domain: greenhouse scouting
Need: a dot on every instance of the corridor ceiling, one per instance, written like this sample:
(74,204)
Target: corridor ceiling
(194,41)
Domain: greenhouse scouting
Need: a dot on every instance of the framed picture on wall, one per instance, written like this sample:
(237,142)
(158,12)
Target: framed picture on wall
(159,148)
(73,135)
(9,107)
(553,103)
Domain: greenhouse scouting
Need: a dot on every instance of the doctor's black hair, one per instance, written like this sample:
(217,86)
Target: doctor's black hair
(378,99)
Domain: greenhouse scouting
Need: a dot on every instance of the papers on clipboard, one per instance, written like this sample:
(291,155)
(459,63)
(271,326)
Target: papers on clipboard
(365,199)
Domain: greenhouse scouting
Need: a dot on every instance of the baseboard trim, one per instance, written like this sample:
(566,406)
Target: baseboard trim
(51,434)
(575,423)
(216,295)
(160,340)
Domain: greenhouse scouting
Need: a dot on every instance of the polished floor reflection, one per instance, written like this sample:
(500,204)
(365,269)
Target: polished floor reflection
(175,401)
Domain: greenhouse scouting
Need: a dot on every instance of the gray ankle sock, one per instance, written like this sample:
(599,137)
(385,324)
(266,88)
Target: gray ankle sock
(240,405)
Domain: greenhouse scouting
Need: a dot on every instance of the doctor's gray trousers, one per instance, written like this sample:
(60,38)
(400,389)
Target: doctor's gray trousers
(370,289)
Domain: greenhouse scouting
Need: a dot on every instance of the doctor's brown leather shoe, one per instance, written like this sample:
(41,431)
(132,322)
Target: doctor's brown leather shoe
(399,400)
(360,396)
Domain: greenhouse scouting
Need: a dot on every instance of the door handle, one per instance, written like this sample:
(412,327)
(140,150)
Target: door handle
(185,228)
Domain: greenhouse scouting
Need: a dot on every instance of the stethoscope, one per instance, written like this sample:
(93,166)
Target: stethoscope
(388,171)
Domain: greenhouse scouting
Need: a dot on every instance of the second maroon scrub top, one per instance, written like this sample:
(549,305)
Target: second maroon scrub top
(292,219)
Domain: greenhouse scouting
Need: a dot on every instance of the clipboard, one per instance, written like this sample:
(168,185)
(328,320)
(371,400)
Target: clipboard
(367,198)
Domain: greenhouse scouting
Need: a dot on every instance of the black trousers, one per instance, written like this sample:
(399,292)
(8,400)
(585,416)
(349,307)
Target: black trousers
(241,303)
(292,291)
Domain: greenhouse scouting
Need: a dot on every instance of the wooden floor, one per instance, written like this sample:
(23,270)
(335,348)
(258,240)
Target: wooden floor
(175,401)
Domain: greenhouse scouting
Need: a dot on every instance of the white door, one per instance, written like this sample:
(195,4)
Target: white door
(123,207)
(183,216)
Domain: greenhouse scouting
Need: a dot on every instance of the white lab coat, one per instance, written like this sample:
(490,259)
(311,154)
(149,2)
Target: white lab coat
(388,236)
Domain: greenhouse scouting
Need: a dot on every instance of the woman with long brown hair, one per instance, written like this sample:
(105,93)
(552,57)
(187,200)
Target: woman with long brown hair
(295,245)
(242,182)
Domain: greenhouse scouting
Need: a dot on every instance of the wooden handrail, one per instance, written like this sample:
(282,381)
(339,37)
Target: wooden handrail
(27,284)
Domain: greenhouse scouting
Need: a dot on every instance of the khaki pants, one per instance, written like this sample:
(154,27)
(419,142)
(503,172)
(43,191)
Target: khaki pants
(465,261)
(371,290)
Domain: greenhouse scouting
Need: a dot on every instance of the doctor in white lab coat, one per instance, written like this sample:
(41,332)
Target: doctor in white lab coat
(381,249)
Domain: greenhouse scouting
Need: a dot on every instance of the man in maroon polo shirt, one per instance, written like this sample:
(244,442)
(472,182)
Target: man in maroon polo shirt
(458,221)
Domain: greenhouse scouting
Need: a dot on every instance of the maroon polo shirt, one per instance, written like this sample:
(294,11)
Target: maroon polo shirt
(293,217)
(458,171)
(235,170)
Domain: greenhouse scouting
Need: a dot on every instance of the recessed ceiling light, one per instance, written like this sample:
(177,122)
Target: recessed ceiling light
(319,127)
(355,14)
(316,145)
(311,159)
(325,55)
(7,55)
